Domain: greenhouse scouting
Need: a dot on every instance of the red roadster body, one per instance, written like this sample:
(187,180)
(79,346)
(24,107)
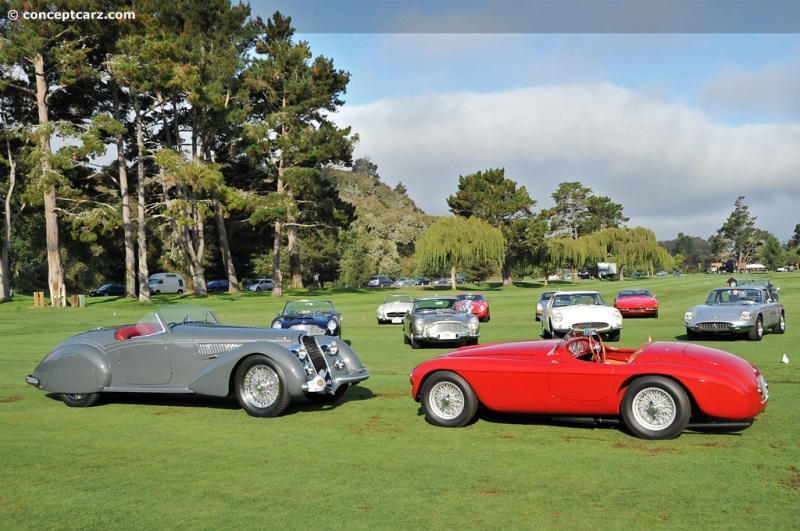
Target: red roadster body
(658,390)
(631,302)
(475,303)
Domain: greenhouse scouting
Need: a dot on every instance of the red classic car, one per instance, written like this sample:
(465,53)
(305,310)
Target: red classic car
(631,302)
(474,303)
(657,390)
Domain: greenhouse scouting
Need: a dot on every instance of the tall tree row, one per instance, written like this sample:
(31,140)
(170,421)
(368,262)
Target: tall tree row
(217,114)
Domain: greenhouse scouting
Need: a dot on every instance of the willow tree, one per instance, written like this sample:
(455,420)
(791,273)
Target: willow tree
(635,248)
(571,253)
(457,242)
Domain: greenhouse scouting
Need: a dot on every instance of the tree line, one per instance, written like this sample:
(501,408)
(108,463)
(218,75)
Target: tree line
(194,128)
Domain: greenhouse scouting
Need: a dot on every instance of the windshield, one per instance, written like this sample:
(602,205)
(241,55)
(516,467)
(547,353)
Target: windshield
(187,313)
(634,293)
(470,297)
(572,299)
(434,304)
(294,308)
(727,296)
(398,298)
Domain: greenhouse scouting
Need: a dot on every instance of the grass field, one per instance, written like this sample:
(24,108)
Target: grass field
(371,461)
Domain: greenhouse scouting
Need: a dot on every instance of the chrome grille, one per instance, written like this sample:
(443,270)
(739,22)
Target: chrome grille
(309,329)
(714,325)
(450,326)
(596,326)
(395,314)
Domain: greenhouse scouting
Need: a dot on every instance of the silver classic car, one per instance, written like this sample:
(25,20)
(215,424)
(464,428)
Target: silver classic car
(439,320)
(737,310)
(394,308)
(185,349)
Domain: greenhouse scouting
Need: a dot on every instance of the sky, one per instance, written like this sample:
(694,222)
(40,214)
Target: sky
(671,110)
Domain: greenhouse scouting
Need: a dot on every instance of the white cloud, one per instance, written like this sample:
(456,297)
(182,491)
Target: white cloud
(671,168)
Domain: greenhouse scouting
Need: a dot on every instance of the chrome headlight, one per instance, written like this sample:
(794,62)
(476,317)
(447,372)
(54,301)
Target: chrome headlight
(746,315)
(473,326)
(688,316)
(332,324)
(419,324)
(338,363)
(617,317)
(276,324)
(557,316)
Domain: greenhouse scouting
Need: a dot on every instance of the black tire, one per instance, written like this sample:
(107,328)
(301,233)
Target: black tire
(757,332)
(405,340)
(691,334)
(780,327)
(79,399)
(487,318)
(472,342)
(258,289)
(655,315)
(546,334)
(655,407)
(260,387)
(180,292)
(325,398)
(448,400)
(414,343)
(614,336)
(156,292)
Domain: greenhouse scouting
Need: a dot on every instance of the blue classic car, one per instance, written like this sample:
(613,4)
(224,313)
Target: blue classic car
(313,316)
(184,349)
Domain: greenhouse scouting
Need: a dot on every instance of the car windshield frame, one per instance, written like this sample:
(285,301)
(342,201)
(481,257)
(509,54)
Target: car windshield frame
(170,316)
(435,305)
(561,300)
(308,307)
(390,299)
(470,297)
(634,293)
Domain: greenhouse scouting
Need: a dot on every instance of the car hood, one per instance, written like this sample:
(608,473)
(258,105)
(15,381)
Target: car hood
(396,305)
(317,319)
(636,301)
(518,349)
(443,316)
(710,312)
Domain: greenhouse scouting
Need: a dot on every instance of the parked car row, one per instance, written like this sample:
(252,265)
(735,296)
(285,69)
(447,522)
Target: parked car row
(656,391)
(382,281)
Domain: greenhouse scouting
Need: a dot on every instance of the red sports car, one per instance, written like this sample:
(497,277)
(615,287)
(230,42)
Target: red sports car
(631,302)
(476,304)
(657,390)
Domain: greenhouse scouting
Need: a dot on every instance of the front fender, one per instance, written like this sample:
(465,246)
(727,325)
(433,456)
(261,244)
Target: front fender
(215,379)
(74,369)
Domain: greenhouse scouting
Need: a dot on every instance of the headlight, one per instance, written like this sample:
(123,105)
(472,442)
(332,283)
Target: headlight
(419,324)
(617,317)
(746,315)
(332,325)
(557,316)
(473,326)
(276,324)
(688,316)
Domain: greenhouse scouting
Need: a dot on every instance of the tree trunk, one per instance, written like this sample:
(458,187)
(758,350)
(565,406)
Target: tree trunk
(277,277)
(141,237)
(225,249)
(125,201)
(506,270)
(5,279)
(55,272)
(294,253)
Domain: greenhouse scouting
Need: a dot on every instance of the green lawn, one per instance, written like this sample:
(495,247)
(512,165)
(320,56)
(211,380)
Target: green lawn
(371,461)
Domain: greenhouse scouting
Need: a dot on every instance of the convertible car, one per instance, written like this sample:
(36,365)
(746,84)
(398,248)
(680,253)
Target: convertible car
(185,349)
(737,310)
(394,308)
(657,391)
(474,303)
(636,302)
(311,316)
(439,320)
(570,310)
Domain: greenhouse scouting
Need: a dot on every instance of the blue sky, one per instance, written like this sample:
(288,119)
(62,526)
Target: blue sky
(674,126)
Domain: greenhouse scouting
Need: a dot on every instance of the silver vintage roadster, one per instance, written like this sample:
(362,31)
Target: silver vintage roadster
(439,320)
(185,349)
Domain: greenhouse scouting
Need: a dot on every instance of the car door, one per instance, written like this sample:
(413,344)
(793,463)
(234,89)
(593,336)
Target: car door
(144,360)
(771,309)
(570,380)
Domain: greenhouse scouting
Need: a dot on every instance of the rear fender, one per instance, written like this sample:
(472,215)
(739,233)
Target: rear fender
(217,378)
(75,369)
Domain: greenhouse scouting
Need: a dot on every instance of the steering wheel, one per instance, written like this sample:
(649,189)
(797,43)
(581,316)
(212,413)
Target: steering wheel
(597,347)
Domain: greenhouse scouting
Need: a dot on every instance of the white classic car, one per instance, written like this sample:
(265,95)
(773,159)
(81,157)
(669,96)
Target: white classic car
(394,308)
(570,310)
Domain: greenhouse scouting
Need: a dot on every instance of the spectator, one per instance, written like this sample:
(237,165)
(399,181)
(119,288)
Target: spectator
(732,281)
(316,280)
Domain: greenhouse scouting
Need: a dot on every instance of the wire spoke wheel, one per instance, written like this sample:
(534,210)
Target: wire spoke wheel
(447,400)
(654,409)
(261,386)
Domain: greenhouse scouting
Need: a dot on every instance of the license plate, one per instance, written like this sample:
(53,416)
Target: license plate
(447,335)
(397,320)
